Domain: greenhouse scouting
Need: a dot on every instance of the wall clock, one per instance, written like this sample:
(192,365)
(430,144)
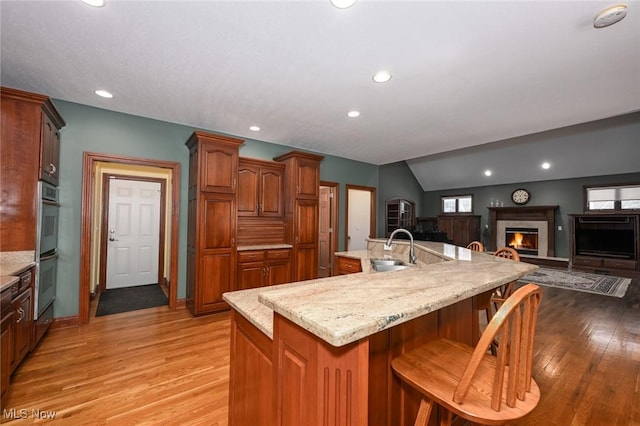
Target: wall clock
(521,196)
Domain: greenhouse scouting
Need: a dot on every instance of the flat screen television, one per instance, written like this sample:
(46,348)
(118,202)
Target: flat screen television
(615,243)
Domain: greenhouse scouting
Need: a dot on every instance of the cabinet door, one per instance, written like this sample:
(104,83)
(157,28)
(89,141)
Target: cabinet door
(271,184)
(279,272)
(251,275)
(248,179)
(49,151)
(217,272)
(6,355)
(23,323)
(217,222)
(306,222)
(218,168)
(307,179)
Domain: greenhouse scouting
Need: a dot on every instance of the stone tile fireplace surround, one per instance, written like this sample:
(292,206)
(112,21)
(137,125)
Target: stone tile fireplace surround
(541,218)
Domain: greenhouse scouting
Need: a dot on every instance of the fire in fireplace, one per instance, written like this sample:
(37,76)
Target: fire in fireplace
(523,240)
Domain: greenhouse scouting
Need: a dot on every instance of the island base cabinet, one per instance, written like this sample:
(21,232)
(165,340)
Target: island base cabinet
(251,399)
(299,379)
(316,383)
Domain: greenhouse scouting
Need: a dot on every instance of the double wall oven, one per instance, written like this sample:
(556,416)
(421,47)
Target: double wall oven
(46,249)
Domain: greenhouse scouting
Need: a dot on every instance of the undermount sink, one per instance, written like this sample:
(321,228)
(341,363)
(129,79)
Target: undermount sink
(384,265)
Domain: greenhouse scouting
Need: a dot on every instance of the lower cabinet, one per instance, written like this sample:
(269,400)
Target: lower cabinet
(6,340)
(23,314)
(348,265)
(16,327)
(251,389)
(260,268)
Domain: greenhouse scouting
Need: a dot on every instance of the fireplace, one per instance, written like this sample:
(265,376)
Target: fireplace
(523,240)
(539,218)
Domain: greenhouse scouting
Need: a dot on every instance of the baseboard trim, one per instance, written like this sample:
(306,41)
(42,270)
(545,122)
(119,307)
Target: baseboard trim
(64,322)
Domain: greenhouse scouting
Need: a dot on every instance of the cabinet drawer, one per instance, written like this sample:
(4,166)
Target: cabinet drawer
(250,256)
(278,254)
(587,261)
(42,324)
(348,266)
(620,264)
(25,280)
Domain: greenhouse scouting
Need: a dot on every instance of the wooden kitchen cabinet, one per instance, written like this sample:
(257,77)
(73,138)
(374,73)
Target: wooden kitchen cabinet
(348,265)
(30,146)
(260,188)
(49,148)
(23,316)
(302,192)
(6,342)
(212,213)
(260,268)
(461,229)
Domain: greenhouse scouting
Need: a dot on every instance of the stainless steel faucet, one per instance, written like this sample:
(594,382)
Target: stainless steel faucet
(412,253)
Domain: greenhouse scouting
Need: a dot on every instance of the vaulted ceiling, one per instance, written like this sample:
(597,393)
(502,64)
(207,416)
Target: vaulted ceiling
(464,74)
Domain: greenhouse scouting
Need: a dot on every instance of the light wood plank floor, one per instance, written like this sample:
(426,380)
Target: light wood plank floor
(160,367)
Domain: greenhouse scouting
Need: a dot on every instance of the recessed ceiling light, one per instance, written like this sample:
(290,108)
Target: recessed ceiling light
(610,16)
(353,114)
(104,94)
(488,173)
(343,4)
(546,165)
(254,128)
(382,77)
(94,3)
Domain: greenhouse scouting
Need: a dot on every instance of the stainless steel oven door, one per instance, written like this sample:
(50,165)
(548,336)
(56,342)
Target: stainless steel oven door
(49,226)
(48,218)
(46,283)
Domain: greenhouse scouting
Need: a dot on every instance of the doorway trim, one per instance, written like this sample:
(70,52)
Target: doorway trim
(335,221)
(89,160)
(372,212)
(106,180)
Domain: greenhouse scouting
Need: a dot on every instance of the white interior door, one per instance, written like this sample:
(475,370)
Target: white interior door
(359,218)
(133,233)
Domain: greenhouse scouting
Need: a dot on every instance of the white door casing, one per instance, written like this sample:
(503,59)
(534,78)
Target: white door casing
(359,219)
(133,233)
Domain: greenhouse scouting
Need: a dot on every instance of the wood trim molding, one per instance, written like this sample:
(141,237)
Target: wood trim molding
(89,161)
(372,211)
(64,322)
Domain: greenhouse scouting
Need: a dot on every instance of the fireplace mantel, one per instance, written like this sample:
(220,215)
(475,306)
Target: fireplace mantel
(539,213)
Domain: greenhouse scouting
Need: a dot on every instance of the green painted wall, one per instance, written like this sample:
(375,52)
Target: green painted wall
(101,131)
(397,180)
(565,193)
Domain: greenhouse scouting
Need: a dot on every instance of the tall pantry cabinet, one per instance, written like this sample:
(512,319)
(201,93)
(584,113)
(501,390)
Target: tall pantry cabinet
(302,200)
(212,210)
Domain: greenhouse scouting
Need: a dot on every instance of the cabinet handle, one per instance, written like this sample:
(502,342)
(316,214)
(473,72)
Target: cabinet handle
(21,312)
(52,169)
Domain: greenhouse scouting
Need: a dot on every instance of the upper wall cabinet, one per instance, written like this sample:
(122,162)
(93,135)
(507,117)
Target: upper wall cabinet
(30,146)
(400,213)
(260,188)
(218,162)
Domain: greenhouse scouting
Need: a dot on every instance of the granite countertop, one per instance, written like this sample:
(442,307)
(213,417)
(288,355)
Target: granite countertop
(7,281)
(346,308)
(9,272)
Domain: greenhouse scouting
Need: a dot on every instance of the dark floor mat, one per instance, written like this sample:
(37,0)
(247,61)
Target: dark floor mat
(117,300)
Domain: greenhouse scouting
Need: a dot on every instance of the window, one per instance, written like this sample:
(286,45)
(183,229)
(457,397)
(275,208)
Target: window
(457,204)
(622,197)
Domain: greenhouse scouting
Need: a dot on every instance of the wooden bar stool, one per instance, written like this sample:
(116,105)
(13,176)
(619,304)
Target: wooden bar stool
(471,383)
(475,246)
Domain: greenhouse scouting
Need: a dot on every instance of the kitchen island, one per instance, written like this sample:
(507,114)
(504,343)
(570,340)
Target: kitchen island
(319,351)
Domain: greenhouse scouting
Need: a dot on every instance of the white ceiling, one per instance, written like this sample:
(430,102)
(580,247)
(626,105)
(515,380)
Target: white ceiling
(464,73)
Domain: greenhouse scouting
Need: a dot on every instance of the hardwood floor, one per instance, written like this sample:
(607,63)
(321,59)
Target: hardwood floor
(160,367)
